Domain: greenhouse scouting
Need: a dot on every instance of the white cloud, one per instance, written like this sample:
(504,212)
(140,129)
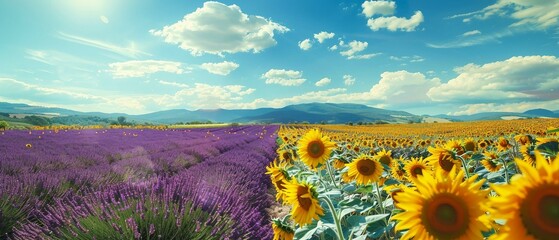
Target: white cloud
(396,23)
(321,36)
(532,13)
(323,82)
(104,19)
(356,47)
(205,96)
(476,39)
(412,59)
(348,80)
(517,79)
(217,28)
(471,33)
(131,69)
(130,51)
(175,84)
(283,77)
(330,95)
(222,68)
(305,44)
(371,8)
(403,87)
(333,48)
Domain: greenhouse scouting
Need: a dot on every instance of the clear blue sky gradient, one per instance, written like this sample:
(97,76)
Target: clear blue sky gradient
(424,57)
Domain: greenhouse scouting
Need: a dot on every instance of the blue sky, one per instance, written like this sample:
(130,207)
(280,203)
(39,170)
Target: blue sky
(424,57)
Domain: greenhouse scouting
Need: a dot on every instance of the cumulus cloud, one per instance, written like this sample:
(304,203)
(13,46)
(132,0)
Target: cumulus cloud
(131,69)
(204,96)
(174,84)
(393,23)
(356,47)
(517,79)
(321,36)
(222,68)
(471,33)
(283,77)
(305,44)
(371,8)
(349,80)
(532,13)
(333,48)
(323,82)
(217,28)
(403,87)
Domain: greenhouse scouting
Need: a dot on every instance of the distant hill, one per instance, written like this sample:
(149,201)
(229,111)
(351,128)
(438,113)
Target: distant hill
(311,113)
(331,113)
(308,112)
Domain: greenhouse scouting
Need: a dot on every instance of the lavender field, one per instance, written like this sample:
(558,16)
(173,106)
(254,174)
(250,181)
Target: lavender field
(136,184)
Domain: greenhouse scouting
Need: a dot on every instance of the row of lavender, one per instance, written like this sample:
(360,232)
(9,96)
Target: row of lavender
(142,184)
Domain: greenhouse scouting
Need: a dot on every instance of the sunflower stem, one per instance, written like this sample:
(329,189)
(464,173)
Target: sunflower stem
(380,198)
(466,170)
(335,215)
(331,174)
(505,169)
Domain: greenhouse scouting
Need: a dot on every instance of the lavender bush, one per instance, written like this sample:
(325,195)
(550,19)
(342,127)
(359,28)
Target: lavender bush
(137,184)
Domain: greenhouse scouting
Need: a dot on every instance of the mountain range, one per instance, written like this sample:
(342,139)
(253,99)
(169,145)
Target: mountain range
(308,112)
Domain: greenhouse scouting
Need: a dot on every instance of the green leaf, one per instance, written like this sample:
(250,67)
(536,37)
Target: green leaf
(347,211)
(350,188)
(306,232)
(375,218)
(553,130)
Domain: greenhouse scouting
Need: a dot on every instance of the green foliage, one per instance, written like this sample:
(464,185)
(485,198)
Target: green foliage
(121,120)
(3,125)
(13,209)
(37,120)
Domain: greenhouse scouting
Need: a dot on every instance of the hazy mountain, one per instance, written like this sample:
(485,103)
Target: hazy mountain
(309,112)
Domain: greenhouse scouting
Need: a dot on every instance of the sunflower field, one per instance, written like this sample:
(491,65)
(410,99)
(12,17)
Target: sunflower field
(475,180)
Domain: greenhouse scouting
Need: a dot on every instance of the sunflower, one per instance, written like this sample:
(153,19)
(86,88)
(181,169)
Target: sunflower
(304,201)
(314,148)
(503,144)
(338,164)
(490,165)
(482,143)
(279,177)
(415,167)
(443,207)
(530,203)
(442,158)
(365,169)
(384,157)
(523,139)
(470,145)
(527,156)
(282,231)
(398,172)
(285,156)
(456,146)
(28,145)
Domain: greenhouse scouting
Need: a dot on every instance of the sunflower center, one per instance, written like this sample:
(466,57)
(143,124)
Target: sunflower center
(385,160)
(286,156)
(445,161)
(416,170)
(446,216)
(315,148)
(540,212)
(304,202)
(470,146)
(366,167)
